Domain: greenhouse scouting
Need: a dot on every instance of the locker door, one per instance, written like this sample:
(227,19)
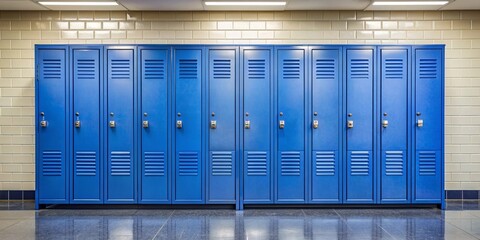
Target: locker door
(154,180)
(291,125)
(256,124)
(222,76)
(120,110)
(326,125)
(429,125)
(360,133)
(86,117)
(52,137)
(189,166)
(394,114)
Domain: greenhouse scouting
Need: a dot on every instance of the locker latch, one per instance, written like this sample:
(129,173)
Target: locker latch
(145,124)
(112,124)
(315,124)
(385,123)
(282,124)
(420,123)
(213,124)
(179,124)
(43,123)
(77,123)
(247,124)
(350,123)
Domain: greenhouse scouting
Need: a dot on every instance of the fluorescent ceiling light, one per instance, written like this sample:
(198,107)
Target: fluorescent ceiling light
(79,3)
(409,3)
(225,3)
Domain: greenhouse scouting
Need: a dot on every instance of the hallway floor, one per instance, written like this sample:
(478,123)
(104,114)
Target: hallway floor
(461,221)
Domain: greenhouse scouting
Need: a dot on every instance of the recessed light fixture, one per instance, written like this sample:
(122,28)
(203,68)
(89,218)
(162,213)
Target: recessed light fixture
(408,3)
(228,3)
(79,3)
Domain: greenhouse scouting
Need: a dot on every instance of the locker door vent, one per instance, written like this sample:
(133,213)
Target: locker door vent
(154,163)
(188,68)
(86,163)
(52,69)
(325,163)
(428,68)
(256,163)
(394,163)
(325,69)
(394,69)
(359,68)
(85,69)
(222,69)
(120,69)
(290,163)
(256,68)
(154,69)
(359,163)
(188,164)
(427,163)
(52,163)
(222,163)
(120,164)
(291,68)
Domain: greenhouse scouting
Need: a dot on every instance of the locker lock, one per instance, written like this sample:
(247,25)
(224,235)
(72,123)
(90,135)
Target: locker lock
(213,124)
(282,124)
(315,124)
(179,124)
(420,123)
(77,123)
(112,124)
(350,123)
(385,123)
(145,124)
(247,124)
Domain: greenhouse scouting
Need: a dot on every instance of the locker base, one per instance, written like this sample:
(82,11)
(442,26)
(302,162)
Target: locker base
(136,206)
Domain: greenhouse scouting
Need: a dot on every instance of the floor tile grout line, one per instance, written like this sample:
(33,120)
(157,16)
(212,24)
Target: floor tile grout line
(460,229)
(168,219)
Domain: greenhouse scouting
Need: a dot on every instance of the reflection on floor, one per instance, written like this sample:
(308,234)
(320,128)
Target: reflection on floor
(460,221)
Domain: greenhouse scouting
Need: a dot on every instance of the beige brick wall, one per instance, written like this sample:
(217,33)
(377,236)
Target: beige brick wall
(459,30)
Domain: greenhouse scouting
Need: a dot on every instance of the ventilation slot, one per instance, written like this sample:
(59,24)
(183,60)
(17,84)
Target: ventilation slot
(52,68)
(120,164)
(394,163)
(120,69)
(325,69)
(256,163)
(222,69)
(325,163)
(86,163)
(256,68)
(359,162)
(85,69)
(222,163)
(428,69)
(154,69)
(188,68)
(394,69)
(154,164)
(52,163)
(291,68)
(360,68)
(290,163)
(427,163)
(188,164)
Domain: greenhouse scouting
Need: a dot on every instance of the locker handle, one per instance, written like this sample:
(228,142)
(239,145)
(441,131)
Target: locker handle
(350,123)
(213,124)
(385,123)
(247,124)
(420,123)
(282,124)
(112,124)
(77,124)
(315,124)
(145,124)
(43,123)
(179,124)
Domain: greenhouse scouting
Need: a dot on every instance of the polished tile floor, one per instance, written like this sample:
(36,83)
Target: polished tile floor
(461,221)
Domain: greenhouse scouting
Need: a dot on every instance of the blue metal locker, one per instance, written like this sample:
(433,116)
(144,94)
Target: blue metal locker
(290,68)
(222,106)
(256,123)
(154,181)
(360,121)
(394,95)
(326,124)
(52,125)
(86,117)
(120,182)
(428,126)
(189,140)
